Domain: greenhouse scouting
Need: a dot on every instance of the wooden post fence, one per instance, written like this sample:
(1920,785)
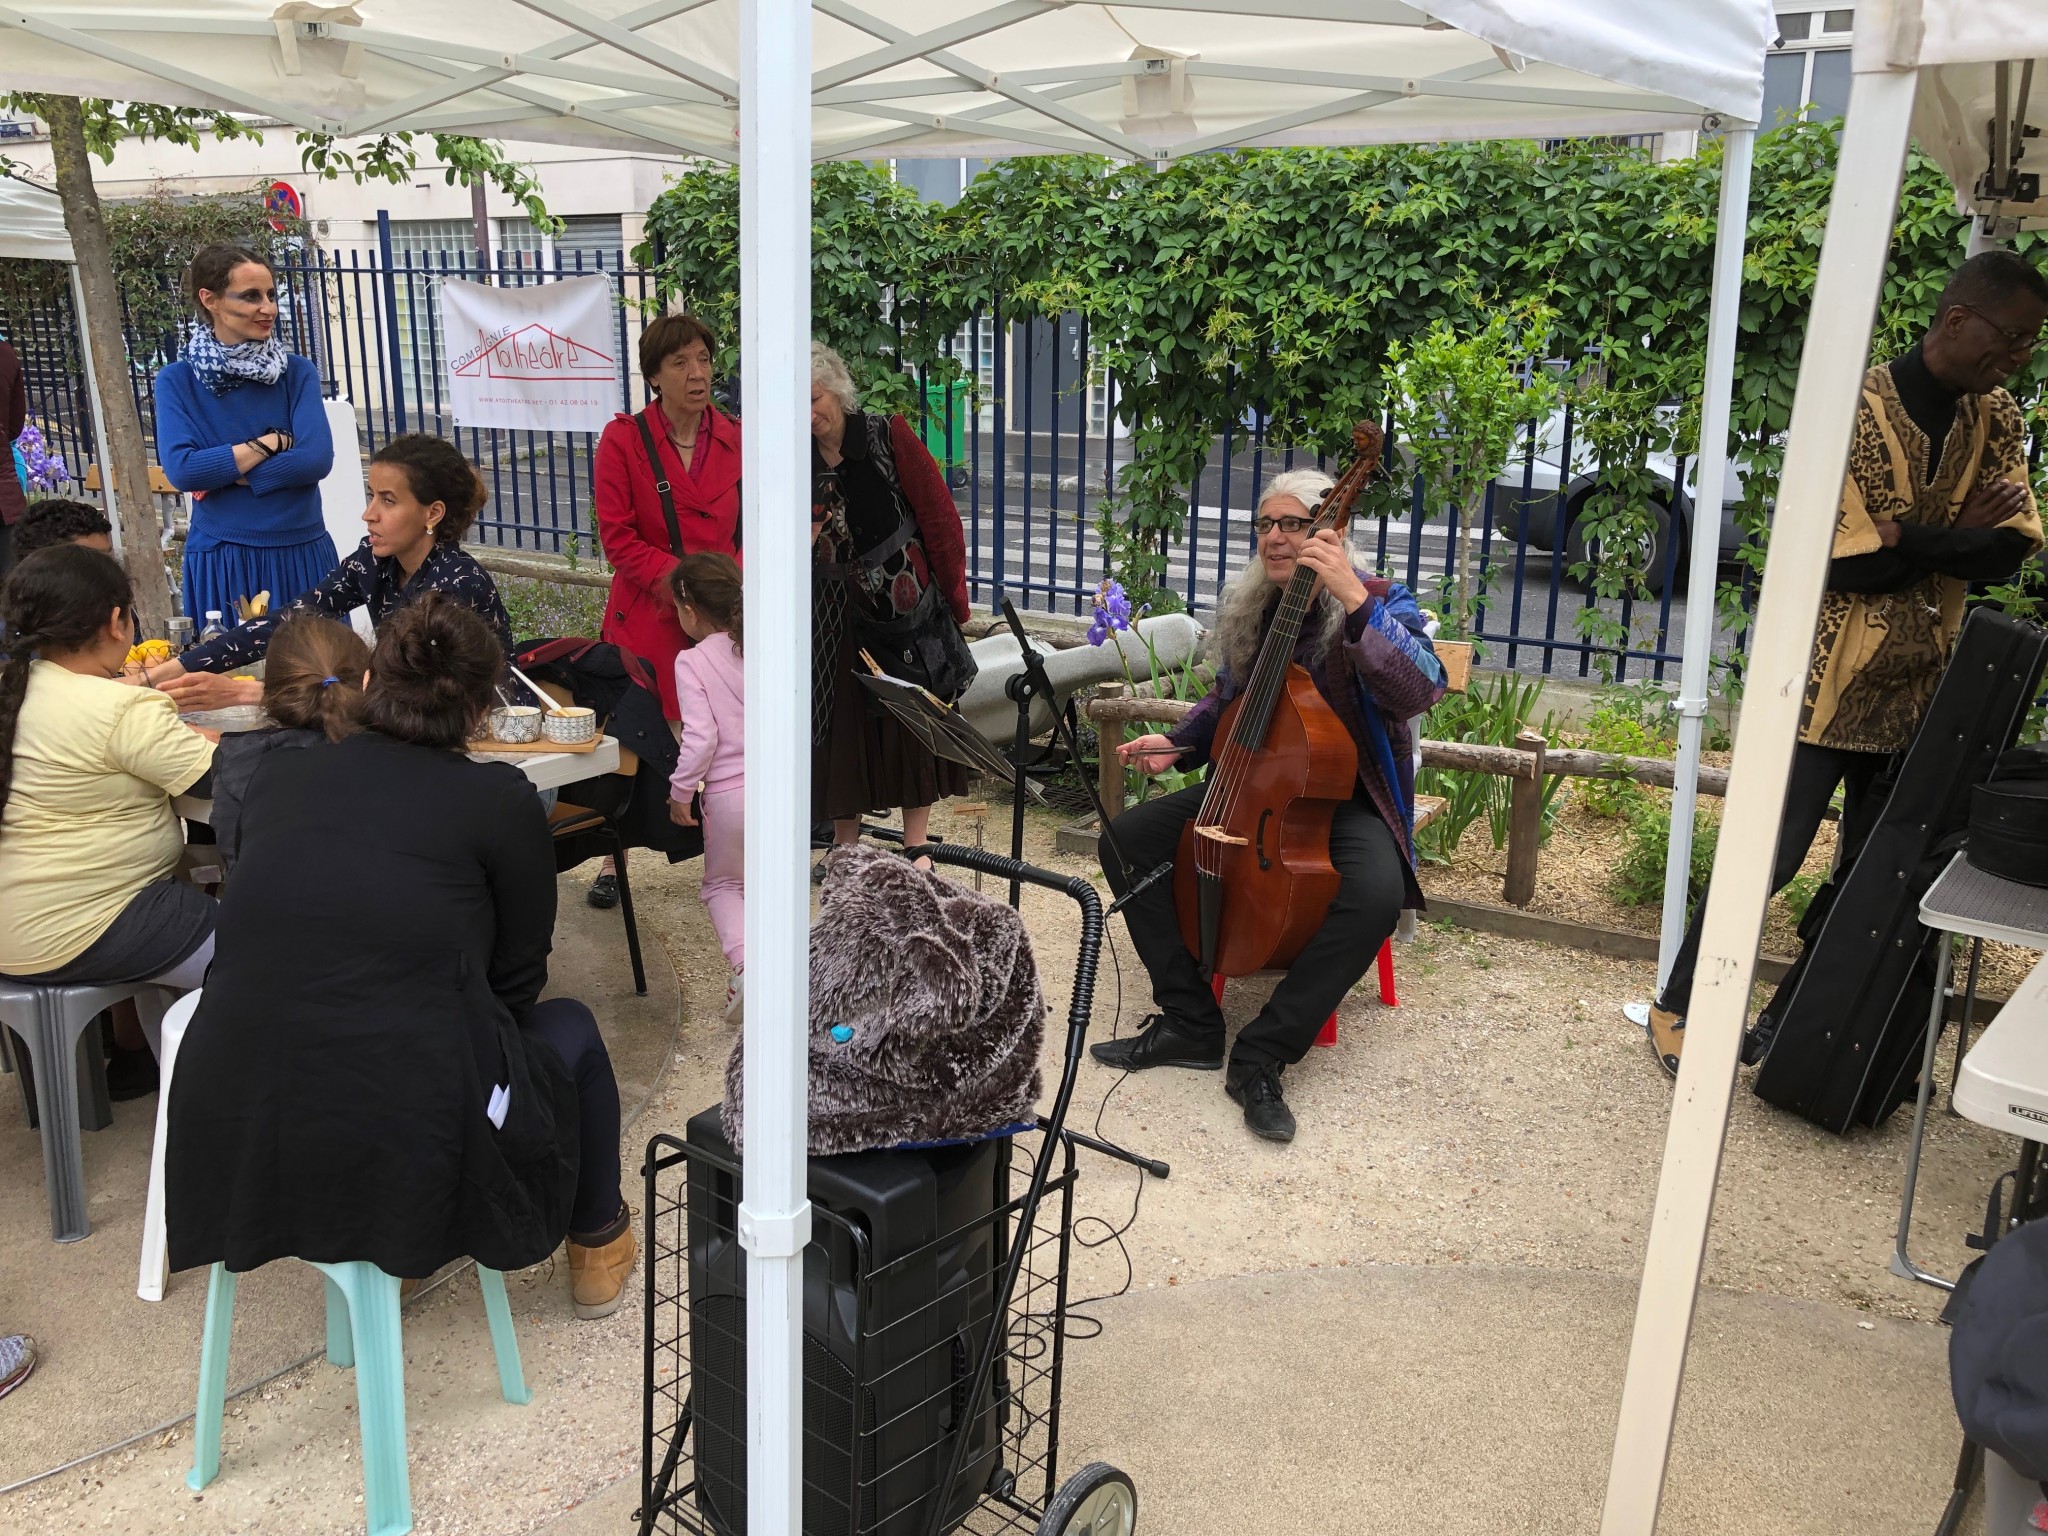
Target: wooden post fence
(1527,764)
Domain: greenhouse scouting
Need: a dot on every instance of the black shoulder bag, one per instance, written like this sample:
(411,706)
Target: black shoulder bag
(666,492)
(923,645)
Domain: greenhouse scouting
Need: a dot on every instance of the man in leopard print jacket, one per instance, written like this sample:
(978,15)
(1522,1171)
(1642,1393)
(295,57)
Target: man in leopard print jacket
(1936,497)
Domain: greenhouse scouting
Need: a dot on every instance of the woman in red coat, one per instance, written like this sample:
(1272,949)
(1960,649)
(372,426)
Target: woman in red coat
(698,449)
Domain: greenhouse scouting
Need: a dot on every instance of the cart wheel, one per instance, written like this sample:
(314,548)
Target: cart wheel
(1098,1500)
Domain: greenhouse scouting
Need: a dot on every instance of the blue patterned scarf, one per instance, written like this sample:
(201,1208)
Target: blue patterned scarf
(223,368)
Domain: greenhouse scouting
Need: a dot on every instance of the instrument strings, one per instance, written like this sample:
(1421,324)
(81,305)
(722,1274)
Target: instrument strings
(1261,692)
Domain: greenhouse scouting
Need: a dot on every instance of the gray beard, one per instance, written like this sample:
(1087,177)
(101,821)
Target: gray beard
(1241,614)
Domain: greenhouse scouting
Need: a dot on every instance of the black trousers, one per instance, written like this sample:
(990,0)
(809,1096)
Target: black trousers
(1367,906)
(570,1029)
(1815,773)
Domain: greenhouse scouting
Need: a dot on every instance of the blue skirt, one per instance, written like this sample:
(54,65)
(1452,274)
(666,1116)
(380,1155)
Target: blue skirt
(222,574)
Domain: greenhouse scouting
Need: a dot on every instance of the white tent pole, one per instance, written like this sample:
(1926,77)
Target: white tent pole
(1831,365)
(99,414)
(775,383)
(1731,228)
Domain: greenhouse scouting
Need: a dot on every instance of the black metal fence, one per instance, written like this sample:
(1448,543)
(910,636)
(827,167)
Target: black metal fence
(1031,447)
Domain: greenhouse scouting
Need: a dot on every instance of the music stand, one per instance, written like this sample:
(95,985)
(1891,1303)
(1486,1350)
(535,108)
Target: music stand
(1032,683)
(939,726)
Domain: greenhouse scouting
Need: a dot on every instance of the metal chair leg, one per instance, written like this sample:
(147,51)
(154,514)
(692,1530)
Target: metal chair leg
(57,1112)
(626,910)
(1968,1465)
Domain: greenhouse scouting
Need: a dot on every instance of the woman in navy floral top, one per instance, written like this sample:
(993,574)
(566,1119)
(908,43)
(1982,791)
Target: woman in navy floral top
(423,497)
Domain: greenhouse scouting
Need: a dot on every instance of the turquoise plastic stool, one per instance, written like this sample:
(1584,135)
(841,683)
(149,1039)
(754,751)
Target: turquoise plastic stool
(362,1331)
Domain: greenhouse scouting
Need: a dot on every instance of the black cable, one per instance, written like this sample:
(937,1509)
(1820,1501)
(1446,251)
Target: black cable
(1111,1233)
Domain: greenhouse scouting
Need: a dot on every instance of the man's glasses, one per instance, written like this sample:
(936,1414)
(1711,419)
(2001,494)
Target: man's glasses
(1287,525)
(2018,340)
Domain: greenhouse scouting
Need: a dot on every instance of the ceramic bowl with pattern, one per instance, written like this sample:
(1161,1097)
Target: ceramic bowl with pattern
(515,723)
(570,724)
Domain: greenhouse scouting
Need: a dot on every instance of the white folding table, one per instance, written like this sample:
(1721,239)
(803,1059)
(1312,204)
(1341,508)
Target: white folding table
(544,770)
(1978,906)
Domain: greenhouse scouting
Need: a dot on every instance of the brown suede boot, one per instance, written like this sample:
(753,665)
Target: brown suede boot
(598,1266)
(1667,1038)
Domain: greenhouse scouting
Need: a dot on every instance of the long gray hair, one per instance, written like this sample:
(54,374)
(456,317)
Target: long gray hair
(1241,610)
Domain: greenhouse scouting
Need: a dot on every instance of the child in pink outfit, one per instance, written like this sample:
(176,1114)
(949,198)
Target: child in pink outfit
(711,690)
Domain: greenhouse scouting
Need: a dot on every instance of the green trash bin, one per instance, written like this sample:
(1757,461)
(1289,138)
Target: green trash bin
(944,429)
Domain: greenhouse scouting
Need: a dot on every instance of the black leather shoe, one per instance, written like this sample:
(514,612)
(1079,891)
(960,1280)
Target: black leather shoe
(1266,1113)
(1159,1043)
(131,1075)
(604,892)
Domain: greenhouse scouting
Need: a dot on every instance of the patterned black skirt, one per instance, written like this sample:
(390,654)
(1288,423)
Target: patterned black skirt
(861,759)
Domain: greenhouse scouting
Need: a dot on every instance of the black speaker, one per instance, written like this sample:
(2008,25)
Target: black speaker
(900,1279)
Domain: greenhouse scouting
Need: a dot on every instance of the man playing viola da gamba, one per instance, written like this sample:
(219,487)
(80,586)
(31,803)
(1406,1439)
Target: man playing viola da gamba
(1362,642)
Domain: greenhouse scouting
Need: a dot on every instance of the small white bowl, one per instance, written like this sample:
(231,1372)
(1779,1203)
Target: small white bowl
(515,723)
(570,724)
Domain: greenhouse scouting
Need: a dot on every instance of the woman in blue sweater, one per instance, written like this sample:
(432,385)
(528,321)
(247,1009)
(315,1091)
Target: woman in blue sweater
(241,427)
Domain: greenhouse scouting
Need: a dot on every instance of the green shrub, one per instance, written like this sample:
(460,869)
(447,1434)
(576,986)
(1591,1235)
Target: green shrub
(1799,895)
(1639,877)
(545,609)
(1490,713)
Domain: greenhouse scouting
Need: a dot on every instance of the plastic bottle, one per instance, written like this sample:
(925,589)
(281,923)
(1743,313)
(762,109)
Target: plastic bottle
(213,628)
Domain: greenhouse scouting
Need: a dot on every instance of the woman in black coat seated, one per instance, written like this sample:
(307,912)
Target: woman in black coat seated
(370,1075)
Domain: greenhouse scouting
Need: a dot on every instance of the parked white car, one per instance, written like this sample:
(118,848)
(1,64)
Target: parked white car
(1531,482)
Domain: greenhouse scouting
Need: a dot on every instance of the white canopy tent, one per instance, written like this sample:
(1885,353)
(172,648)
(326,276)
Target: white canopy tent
(1965,77)
(32,229)
(926,77)
(952,78)
(727,81)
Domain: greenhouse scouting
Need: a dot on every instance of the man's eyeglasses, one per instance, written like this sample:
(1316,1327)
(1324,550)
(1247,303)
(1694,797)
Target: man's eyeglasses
(1287,525)
(2018,340)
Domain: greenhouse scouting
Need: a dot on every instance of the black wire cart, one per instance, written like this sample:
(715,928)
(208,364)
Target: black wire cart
(935,1307)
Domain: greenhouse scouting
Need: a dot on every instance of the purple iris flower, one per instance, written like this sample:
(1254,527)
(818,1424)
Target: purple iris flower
(1112,611)
(46,470)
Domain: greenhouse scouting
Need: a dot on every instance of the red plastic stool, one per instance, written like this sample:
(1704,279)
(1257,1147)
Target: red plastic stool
(1328,1036)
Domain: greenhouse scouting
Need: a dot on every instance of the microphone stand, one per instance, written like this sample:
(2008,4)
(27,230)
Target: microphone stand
(1028,685)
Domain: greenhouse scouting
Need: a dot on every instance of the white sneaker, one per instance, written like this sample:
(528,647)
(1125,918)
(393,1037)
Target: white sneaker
(735,997)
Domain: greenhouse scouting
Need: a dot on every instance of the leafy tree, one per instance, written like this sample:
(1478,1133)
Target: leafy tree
(1460,402)
(80,128)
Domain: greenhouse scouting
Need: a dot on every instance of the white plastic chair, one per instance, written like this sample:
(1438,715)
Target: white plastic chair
(155,1270)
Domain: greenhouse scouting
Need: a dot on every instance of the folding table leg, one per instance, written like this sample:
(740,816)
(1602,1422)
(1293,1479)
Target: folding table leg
(1902,1264)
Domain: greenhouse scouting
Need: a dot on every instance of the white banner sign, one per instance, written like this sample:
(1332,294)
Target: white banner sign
(542,359)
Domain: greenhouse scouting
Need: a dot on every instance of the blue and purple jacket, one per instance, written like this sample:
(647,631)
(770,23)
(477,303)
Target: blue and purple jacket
(1387,660)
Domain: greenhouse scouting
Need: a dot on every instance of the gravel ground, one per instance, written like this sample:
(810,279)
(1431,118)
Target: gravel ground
(1505,1116)
(1574,881)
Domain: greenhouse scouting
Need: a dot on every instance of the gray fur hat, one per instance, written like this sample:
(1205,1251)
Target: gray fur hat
(939,989)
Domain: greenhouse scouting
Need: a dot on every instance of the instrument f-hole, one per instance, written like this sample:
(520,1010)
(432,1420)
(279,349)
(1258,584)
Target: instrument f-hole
(1264,862)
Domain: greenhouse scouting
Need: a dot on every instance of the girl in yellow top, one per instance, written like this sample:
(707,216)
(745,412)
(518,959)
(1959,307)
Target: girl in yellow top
(88,766)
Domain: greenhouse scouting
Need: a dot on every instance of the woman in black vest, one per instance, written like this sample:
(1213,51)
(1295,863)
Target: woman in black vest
(885,531)
(371,1074)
